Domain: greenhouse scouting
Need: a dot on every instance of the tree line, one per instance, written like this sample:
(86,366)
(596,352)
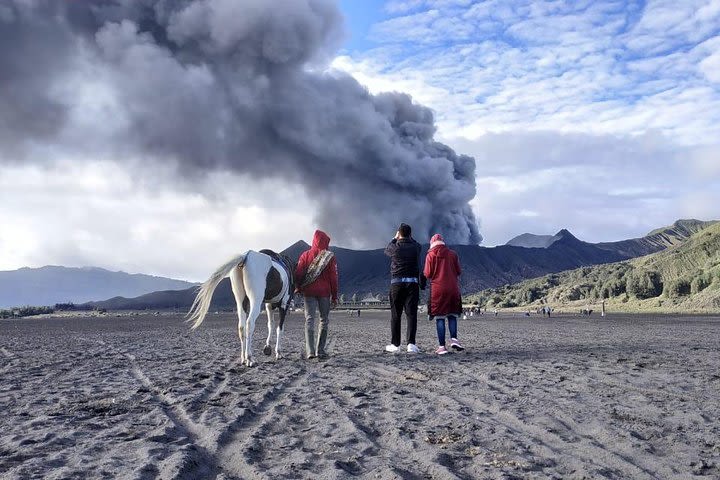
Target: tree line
(29,310)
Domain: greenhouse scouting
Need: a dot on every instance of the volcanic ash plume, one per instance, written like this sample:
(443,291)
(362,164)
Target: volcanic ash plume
(229,85)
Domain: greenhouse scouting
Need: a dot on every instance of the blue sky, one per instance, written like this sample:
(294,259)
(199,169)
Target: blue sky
(360,16)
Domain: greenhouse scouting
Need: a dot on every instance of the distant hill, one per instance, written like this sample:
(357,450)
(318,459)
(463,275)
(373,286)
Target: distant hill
(655,241)
(490,267)
(53,284)
(684,277)
(529,240)
(658,239)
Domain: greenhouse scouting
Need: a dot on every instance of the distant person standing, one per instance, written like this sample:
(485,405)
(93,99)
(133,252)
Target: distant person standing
(442,269)
(317,279)
(404,253)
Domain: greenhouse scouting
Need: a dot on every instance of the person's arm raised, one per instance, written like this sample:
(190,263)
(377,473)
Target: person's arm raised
(391,248)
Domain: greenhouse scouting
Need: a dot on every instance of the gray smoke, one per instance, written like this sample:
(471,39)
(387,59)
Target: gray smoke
(232,85)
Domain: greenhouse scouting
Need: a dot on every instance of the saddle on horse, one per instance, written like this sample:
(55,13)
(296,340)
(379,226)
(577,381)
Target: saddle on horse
(273,282)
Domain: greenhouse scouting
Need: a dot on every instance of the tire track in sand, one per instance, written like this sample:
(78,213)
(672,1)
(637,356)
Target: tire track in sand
(238,436)
(218,452)
(198,460)
(410,456)
(215,386)
(397,376)
(597,454)
(10,359)
(212,453)
(171,405)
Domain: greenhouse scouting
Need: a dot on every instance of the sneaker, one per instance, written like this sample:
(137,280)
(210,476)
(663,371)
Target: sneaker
(412,348)
(310,356)
(441,350)
(392,348)
(455,345)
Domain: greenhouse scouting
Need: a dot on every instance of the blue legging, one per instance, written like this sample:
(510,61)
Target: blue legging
(452,326)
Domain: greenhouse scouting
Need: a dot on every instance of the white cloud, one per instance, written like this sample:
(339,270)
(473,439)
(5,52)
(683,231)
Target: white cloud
(710,64)
(602,188)
(667,24)
(572,67)
(402,6)
(96,214)
(527,213)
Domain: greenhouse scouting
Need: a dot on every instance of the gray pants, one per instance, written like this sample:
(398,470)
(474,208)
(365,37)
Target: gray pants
(312,305)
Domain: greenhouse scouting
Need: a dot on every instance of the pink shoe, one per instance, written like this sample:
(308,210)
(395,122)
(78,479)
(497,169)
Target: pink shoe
(455,345)
(441,350)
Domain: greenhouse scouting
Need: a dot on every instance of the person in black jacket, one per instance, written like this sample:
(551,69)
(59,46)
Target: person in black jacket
(404,253)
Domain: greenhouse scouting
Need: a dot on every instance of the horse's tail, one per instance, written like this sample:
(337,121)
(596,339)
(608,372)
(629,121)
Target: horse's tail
(201,304)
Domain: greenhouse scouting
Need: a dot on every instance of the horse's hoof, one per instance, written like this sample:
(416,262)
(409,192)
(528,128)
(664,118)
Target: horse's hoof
(267,350)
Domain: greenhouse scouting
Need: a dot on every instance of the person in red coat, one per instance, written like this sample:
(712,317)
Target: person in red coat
(442,269)
(316,277)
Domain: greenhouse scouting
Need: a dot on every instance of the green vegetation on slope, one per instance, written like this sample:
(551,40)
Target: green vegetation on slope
(683,278)
(682,229)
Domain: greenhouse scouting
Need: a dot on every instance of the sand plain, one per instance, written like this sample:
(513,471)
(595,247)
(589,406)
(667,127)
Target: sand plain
(568,397)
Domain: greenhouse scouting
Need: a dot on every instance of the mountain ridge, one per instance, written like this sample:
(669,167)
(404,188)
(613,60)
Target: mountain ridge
(684,277)
(658,239)
(530,240)
(51,284)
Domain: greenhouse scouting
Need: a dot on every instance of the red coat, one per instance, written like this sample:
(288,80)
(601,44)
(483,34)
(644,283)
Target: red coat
(442,269)
(327,284)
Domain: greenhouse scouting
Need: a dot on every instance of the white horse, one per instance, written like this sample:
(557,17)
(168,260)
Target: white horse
(256,278)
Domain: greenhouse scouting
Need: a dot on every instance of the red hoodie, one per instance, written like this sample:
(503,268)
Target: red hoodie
(327,284)
(442,269)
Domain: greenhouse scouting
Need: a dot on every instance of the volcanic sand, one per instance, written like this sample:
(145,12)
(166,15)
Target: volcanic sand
(144,397)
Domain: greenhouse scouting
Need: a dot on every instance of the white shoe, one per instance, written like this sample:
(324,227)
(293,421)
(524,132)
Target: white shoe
(412,348)
(392,348)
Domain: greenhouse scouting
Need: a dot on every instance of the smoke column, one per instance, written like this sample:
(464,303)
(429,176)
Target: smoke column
(228,85)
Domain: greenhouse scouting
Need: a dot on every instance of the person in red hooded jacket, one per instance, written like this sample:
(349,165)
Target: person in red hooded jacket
(442,269)
(316,278)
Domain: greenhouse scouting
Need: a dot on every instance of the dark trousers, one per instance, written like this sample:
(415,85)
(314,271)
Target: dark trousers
(403,296)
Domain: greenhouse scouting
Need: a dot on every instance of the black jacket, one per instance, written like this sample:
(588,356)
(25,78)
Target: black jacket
(404,256)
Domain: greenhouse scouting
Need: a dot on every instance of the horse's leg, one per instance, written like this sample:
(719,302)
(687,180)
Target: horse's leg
(255,273)
(283,312)
(252,316)
(270,315)
(236,282)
